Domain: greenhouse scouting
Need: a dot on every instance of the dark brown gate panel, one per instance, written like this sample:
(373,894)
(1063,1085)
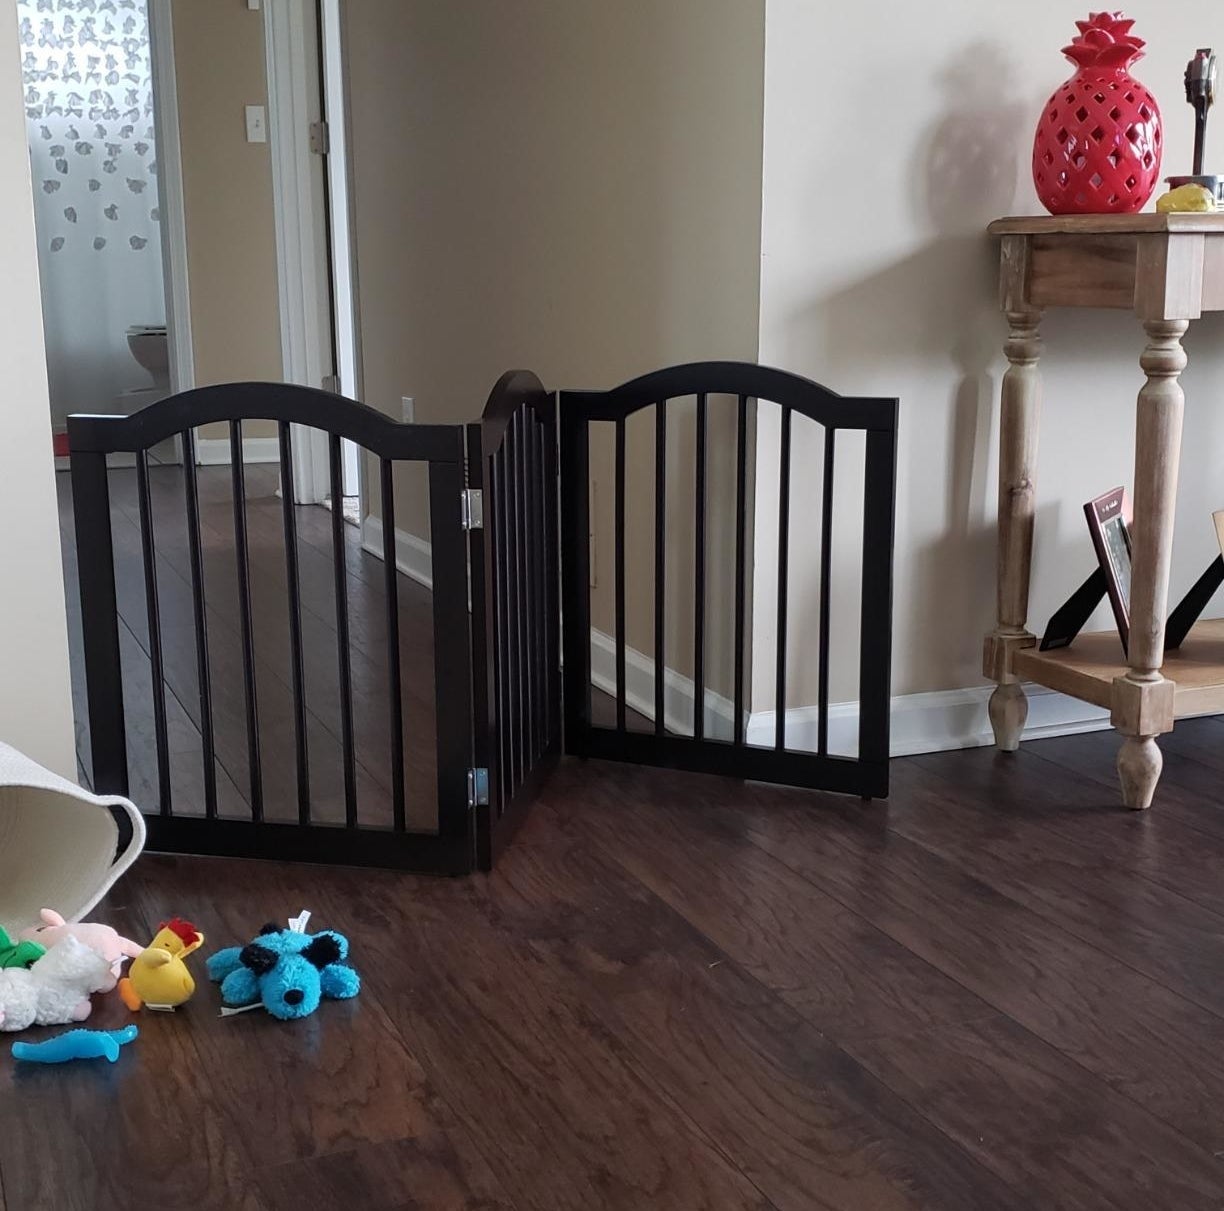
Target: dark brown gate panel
(515,623)
(865,773)
(441,449)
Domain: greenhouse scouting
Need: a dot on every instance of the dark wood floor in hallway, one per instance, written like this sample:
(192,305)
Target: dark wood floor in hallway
(994,991)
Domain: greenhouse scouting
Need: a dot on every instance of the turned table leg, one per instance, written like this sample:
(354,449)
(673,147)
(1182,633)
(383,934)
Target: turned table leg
(1021,406)
(1142,698)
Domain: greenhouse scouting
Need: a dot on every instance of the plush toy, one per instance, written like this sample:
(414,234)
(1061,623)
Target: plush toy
(19,954)
(55,990)
(76,1045)
(113,947)
(158,976)
(287,970)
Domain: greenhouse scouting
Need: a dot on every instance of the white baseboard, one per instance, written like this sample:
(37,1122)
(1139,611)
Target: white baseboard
(639,690)
(932,723)
(920,723)
(215,451)
(413,555)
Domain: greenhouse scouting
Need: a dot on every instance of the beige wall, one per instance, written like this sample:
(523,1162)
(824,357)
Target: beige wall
(878,280)
(35,699)
(570,186)
(227,182)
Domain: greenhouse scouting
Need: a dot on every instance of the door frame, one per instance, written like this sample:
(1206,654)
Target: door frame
(306,247)
(170,195)
(292,107)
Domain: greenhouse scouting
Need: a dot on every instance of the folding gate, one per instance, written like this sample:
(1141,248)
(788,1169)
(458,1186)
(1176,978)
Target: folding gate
(499,581)
(661,742)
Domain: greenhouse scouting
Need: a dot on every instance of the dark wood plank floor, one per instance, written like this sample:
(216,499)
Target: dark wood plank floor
(273,677)
(994,991)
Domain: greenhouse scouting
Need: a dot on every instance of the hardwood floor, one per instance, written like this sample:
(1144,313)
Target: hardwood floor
(994,991)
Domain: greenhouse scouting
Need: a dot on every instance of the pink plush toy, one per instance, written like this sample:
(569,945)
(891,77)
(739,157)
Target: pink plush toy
(100,938)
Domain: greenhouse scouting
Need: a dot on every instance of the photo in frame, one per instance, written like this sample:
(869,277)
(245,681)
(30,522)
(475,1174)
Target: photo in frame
(1109,523)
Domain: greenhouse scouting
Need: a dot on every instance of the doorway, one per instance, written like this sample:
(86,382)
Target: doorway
(106,188)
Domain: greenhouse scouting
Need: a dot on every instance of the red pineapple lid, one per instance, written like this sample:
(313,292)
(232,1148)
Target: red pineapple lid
(1105,41)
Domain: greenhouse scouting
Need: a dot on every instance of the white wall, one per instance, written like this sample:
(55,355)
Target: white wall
(893,133)
(35,700)
(574,188)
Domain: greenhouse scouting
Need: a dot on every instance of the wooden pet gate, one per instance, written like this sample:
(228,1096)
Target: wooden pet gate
(512,603)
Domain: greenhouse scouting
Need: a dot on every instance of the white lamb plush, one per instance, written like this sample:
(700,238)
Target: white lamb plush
(55,989)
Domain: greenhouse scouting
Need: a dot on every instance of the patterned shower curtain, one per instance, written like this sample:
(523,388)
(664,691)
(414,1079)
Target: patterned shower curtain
(89,112)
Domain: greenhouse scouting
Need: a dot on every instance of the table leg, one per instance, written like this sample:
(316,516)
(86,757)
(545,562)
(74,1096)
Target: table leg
(1021,406)
(1143,698)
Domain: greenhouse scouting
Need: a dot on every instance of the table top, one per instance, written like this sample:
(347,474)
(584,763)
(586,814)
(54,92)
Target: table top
(1107,224)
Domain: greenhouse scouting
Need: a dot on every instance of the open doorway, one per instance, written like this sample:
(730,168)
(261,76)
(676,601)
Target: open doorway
(101,159)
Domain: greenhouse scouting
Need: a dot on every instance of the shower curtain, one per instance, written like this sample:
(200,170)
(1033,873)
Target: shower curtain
(89,113)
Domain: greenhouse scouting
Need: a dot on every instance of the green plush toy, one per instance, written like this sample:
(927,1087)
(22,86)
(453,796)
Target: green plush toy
(18,954)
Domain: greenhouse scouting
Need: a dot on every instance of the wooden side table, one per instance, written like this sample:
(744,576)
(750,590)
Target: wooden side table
(1169,269)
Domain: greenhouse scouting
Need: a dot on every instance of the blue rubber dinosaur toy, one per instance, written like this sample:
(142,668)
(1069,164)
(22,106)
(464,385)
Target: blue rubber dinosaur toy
(76,1045)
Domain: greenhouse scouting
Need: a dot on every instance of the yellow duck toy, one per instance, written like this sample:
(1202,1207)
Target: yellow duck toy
(158,977)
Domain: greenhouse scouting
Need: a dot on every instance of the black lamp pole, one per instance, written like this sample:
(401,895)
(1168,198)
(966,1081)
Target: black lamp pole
(1200,92)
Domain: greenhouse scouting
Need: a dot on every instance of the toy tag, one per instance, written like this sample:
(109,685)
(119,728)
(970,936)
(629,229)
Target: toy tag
(298,924)
(228,1011)
(160,1008)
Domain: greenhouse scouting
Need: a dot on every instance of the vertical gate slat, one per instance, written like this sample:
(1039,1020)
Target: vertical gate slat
(486,718)
(826,564)
(539,611)
(394,686)
(660,554)
(200,613)
(514,523)
(875,643)
(452,658)
(552,571)
(99,622)
(575,519)
(741,512)
(296,651)
(699,574)
(619,552)
(784,445)
(343,654)
(149,553)
(501,656)
(522,490)
(245,619)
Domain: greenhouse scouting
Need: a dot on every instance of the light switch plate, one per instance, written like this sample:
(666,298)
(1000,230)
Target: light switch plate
(409,409)
(253,5)
(256,124)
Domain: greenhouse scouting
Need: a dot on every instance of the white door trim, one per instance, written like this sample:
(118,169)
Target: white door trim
(292,105)
(341,238)
(170,200)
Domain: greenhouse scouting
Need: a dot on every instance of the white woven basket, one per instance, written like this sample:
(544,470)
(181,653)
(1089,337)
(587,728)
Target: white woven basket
(57,843)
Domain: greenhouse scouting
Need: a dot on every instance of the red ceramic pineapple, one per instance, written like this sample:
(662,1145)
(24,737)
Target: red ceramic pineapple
(1099,140)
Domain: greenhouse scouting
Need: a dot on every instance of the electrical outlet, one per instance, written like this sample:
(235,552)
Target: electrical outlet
(409,409)
(256,124)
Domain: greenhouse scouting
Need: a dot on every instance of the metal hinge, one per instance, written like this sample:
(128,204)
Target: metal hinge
(320,138)
(478,787)
(471,509)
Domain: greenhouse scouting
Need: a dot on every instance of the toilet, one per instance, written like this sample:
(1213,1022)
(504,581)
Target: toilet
(151,348)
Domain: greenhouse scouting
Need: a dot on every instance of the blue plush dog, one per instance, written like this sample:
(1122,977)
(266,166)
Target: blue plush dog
(289,972)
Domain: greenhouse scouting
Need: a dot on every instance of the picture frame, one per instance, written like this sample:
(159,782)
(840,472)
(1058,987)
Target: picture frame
(1109,523)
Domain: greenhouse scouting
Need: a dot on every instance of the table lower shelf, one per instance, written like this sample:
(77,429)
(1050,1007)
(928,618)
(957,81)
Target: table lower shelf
(1087,668)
